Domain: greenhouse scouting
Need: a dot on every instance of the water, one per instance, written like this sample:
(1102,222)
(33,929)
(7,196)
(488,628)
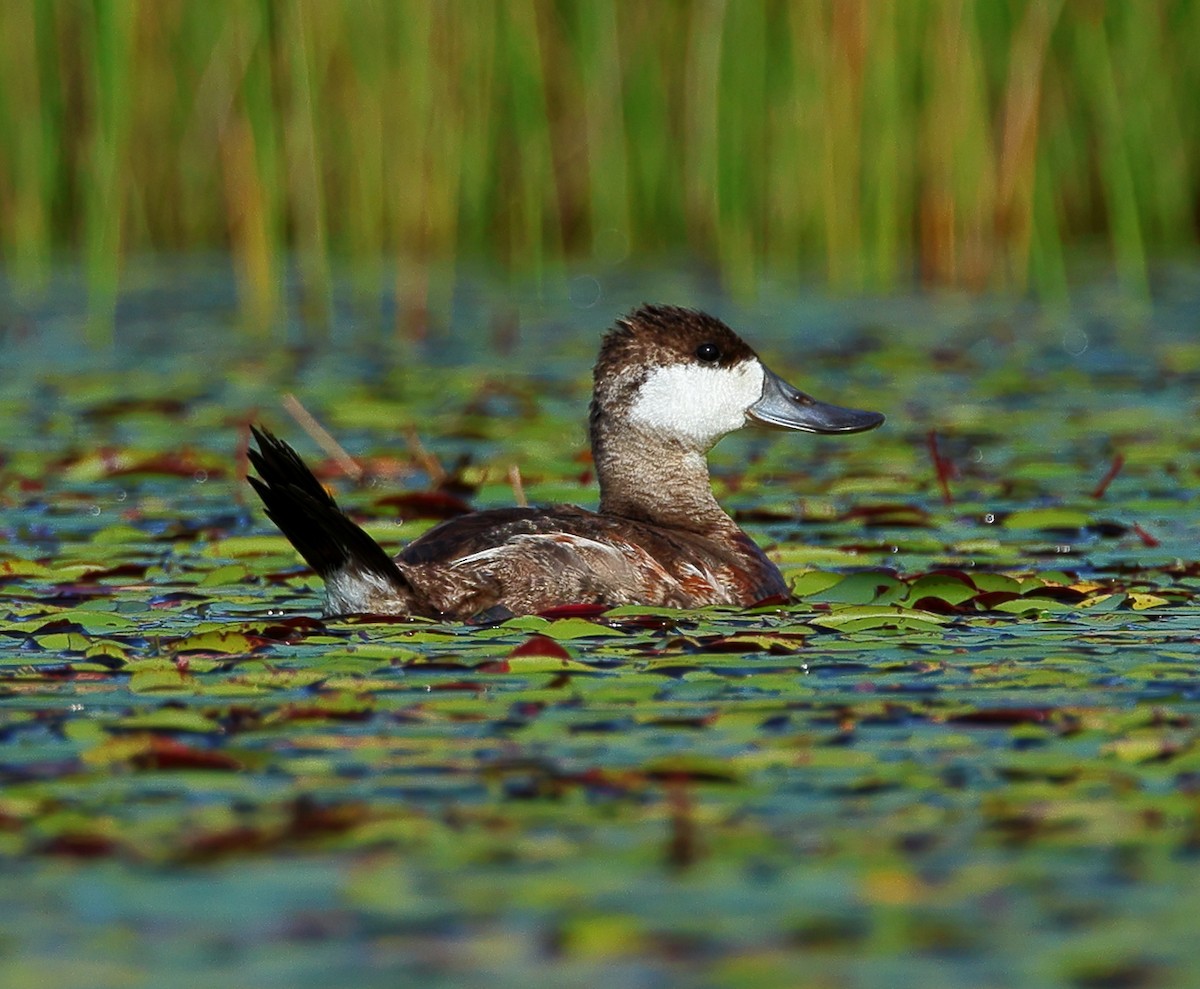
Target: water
(965,755)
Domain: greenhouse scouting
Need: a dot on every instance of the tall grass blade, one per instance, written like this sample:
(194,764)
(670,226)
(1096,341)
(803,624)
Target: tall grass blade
(971,143)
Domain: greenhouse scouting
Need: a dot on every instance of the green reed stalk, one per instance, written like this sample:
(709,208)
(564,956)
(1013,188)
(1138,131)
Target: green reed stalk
(26,237)
(975,143)
(104,190)
(1096,68)
(609,223)
(740,144)
(252,169)
(310,26)
(887,130)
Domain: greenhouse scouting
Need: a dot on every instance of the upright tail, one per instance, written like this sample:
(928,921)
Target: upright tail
(359,574)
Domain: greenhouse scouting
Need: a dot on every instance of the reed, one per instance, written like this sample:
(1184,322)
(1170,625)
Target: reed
(968,143)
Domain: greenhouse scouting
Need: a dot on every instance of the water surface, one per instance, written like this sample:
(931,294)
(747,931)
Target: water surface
(967,753)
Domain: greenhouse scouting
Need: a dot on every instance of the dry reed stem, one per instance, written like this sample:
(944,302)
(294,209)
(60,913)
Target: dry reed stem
(514,478)
(322,437)
(437,473)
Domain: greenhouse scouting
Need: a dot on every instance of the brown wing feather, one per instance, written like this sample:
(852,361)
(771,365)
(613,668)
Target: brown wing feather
(523,560)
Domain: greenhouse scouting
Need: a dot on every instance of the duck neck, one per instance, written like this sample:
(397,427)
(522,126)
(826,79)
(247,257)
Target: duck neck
(654,479)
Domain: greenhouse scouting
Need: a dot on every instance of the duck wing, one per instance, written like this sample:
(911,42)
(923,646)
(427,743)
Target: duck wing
(525,560)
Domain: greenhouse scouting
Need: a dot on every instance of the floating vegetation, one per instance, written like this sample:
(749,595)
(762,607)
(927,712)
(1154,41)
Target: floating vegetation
(965,754)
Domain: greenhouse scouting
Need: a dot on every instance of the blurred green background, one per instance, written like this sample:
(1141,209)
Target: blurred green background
(875,144)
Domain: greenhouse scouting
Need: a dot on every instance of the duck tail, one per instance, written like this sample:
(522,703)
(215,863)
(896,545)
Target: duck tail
(359,574)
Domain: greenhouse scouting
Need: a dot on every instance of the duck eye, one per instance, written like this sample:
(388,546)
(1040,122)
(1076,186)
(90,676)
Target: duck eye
(708,352)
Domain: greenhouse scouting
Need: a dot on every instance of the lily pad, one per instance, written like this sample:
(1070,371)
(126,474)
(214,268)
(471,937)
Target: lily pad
(978,696)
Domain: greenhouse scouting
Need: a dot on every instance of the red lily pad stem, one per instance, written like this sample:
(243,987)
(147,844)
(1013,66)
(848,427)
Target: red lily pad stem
(1109,476)
(942,466)
(1146,538)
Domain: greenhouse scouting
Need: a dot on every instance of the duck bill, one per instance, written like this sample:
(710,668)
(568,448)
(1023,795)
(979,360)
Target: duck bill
(785,407)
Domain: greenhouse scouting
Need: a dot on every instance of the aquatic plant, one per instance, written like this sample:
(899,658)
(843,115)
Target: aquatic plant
(966,143)
(967,753)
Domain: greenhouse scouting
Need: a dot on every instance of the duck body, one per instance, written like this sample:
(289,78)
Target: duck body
(668,384)
(526,560)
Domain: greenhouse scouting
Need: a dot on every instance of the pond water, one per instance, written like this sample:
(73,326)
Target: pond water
(967,754)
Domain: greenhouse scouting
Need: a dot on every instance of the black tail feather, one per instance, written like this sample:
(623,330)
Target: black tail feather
(306,513)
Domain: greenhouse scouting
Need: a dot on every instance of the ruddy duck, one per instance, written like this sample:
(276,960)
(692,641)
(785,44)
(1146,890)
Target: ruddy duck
(668,384)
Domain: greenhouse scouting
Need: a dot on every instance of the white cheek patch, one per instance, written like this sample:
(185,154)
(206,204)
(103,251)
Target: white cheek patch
(696,404)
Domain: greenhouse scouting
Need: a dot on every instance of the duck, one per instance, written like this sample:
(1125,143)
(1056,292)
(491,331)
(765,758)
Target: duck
(669,383)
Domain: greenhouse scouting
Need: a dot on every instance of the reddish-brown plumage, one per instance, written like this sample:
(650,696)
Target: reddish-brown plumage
(526,560)
(659,537)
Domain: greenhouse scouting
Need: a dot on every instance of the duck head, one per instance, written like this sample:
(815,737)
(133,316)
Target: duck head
(685,376)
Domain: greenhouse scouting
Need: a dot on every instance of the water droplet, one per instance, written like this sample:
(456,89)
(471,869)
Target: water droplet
(1075,341)
(584,291)
(200,476)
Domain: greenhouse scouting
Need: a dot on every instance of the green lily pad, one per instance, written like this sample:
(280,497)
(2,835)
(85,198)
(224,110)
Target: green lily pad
(858,618)
(169,719)
(1046,518)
